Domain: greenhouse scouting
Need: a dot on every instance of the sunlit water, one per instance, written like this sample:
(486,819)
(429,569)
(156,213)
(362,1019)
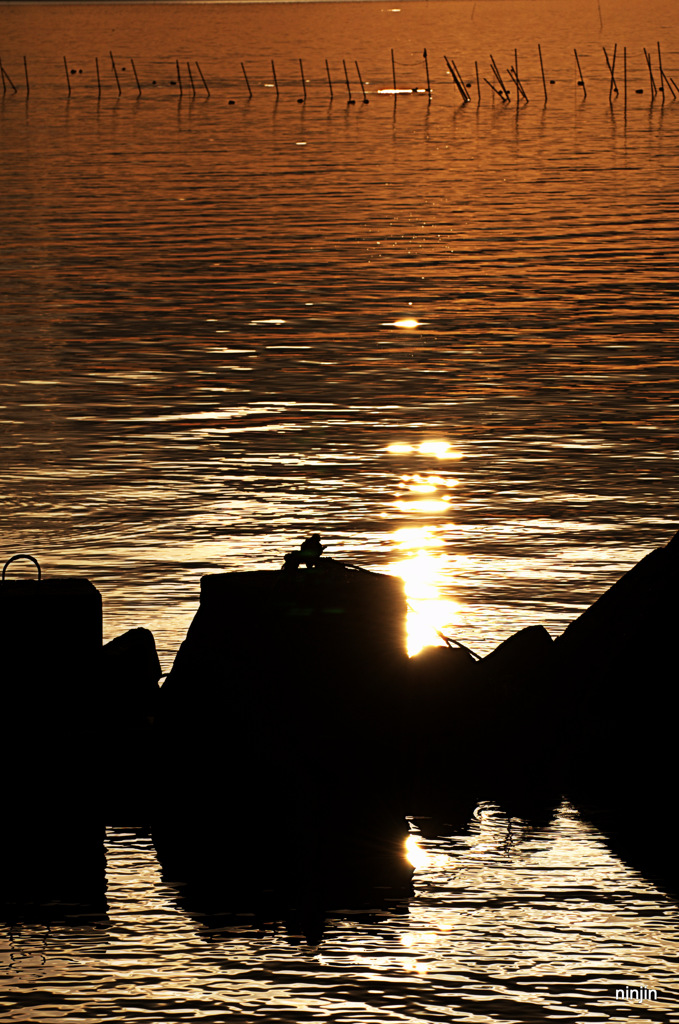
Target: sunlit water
(442,335)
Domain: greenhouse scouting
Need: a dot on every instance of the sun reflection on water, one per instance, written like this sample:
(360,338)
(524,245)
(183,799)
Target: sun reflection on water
(439,449)
(424,572)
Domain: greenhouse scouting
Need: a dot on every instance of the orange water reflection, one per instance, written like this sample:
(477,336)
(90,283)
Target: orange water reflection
(425,571)
(422,560)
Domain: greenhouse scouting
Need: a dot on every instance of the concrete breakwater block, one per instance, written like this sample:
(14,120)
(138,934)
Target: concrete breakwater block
(279,709)
(51,639)
(481,729)
(616,671)
(130,674)
(313,651)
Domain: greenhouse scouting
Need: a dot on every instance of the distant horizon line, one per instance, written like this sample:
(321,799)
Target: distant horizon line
(134,3)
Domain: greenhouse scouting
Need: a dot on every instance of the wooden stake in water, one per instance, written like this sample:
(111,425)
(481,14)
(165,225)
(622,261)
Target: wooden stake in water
(179,79)
(68,80)
(275,80)
(5,75)
(202,77)
(28,88)
(624,76)
(301,71)
(458,85)
(115,72)
(611,67)
(346,79)
(582,77)
(495,90)
(393,70)
(136,76)
(327,71)
(457,79)
(193,84)
(497,75)
(426,68)
(663,76)
(654,88)
(478,83)
(519,88)
(460,79)
(358,72)
(245,76)
(96,61)
(542,69)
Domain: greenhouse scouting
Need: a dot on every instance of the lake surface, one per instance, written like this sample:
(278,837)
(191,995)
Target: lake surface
(441,334)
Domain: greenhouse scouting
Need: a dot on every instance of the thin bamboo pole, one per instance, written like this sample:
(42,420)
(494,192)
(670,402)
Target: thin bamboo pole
(542,69)
(663,76)
(654,88)
(327,71)
(582,77)
(275,80)
(245,76)
(426,68)
(611,67)
(346,79)
(5,75)
(28,87)
(499,77)
(202,78)
(193,84)
(460,88)
(136,76)
(624,77)
(68,80)
(360,79)
(115,72)
(461,81)
(495,90)
(301,71)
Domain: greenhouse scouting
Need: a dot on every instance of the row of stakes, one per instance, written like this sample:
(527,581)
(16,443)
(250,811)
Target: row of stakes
(497,84)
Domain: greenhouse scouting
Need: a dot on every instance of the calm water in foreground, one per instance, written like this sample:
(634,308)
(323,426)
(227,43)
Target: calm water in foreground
(441,334)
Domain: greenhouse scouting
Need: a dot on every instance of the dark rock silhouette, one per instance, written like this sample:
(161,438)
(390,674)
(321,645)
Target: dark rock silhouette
(52,849)
(293,735)
(615,667)
(280,720)
(130,672)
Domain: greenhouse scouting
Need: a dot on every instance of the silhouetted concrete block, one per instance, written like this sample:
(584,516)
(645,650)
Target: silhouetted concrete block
(131,671)
(51,637)
(519,753)
(616,669)
(130,675)
(281,700)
